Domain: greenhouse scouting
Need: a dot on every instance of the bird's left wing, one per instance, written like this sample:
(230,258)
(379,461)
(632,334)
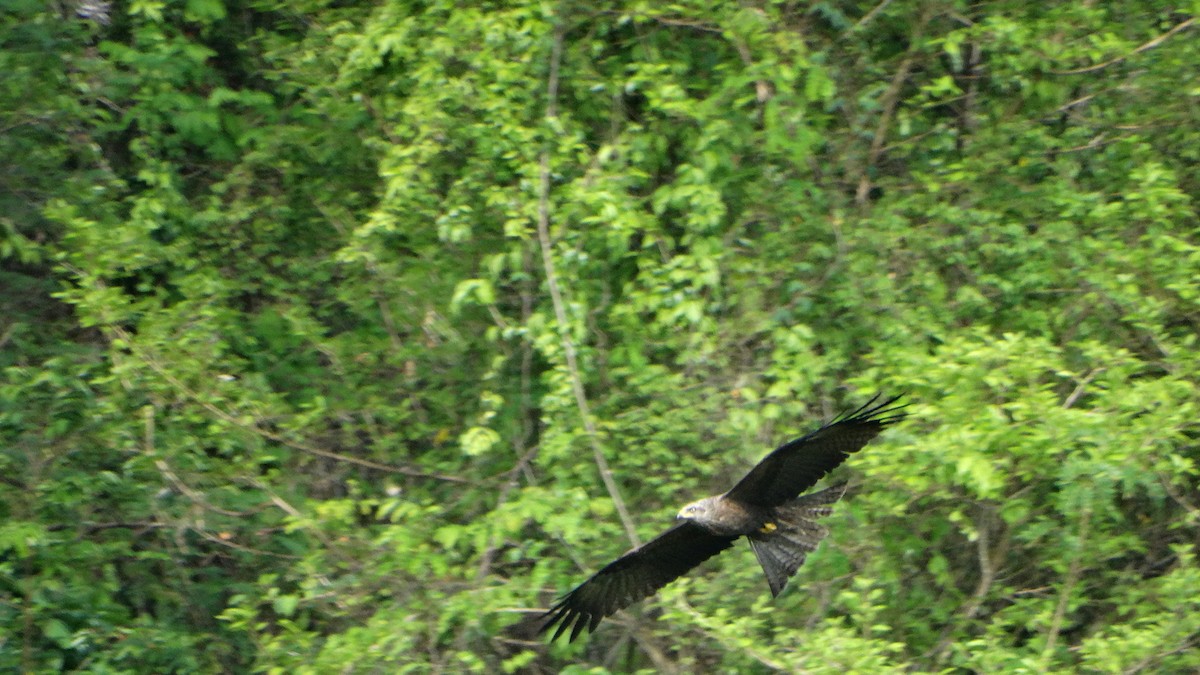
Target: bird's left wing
(634,576)
(796,466)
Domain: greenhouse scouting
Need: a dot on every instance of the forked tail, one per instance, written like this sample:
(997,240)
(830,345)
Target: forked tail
(783,544)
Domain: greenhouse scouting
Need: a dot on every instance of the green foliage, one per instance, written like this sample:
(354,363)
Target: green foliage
(287,387)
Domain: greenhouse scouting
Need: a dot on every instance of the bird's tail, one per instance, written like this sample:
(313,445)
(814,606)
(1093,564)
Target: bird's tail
(782,544)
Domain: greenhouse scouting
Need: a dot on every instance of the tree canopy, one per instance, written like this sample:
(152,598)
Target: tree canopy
(344,337)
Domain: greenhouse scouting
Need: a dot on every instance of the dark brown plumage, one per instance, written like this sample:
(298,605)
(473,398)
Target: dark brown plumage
(764,507)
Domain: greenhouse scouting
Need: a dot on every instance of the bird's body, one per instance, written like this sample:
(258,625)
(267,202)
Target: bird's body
(723,516)
(765,507)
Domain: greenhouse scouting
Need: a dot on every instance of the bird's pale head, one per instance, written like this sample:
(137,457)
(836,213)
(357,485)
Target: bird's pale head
(699,510)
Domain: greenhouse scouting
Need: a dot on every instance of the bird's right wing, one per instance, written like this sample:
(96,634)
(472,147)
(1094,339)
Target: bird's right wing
(634,576)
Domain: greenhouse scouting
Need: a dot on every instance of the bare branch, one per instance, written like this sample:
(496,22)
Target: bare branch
(762,88)
(560,314)
(1074,569)
(988,553)
(890,100)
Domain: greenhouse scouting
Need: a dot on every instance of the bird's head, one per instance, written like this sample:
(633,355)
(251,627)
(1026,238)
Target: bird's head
(697,510)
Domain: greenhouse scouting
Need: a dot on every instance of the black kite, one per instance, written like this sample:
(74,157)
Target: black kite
(764,506)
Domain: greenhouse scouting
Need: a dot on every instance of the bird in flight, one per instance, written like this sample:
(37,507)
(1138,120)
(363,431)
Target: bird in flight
(765,507)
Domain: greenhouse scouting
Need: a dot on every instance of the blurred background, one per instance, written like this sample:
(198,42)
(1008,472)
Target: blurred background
(344,337)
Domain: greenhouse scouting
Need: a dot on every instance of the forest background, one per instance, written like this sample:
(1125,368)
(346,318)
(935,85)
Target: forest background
(343,337)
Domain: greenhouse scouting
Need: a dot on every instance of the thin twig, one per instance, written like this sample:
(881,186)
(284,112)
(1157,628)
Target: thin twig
(293,512)
(869,15)
(1149,45)
(1081,387)
(543,231)
(489,553)
(269,435)
(229,543)
(194,496)
(699,621)
(661,663)
(1174,494)
(385,313)
(161,464)
(1071,104)
(158,368)
(1150,658)
(91,528)
(8,333)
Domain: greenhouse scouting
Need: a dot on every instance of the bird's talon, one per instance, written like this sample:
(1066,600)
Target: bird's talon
(767,528)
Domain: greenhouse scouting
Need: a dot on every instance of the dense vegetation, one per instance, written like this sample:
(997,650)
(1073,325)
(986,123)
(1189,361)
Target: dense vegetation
(341,337)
